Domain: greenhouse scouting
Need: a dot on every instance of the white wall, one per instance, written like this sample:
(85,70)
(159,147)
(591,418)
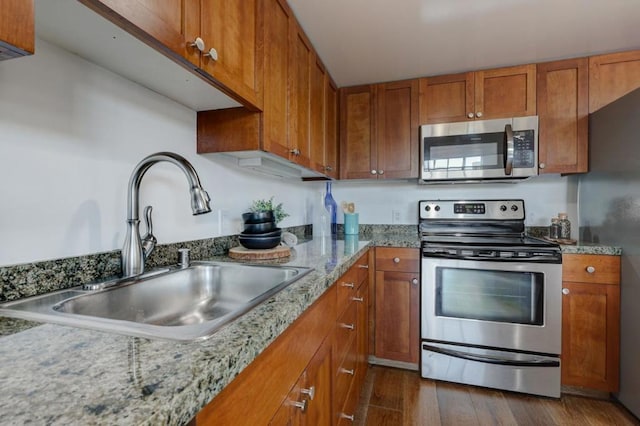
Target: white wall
(544,196)
(70,135)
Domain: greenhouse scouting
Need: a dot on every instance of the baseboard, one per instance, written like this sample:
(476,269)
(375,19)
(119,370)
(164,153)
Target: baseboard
(591,393)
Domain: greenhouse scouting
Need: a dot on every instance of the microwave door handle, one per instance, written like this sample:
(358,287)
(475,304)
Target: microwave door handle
(508,142)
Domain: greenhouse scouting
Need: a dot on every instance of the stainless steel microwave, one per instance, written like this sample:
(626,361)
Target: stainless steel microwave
(499,150)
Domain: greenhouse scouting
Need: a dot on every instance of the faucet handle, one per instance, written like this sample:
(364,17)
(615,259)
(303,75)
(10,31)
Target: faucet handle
(148,240)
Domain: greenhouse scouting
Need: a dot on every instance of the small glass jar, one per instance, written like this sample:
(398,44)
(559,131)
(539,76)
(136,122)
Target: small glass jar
(565,226)
(555,229)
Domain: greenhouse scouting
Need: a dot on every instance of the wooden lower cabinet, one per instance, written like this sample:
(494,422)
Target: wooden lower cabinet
(591,322)
(313,372)
(397,304)
(17,29)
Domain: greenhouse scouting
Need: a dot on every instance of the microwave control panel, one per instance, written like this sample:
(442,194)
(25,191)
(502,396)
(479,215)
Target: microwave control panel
(524,149)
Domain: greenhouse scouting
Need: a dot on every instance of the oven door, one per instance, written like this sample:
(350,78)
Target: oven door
(507,305)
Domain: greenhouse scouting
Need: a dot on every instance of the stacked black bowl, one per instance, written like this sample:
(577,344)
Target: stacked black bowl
(260,231)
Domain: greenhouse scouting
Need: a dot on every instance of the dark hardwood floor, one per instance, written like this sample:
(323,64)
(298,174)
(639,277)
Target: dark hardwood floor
(400,397)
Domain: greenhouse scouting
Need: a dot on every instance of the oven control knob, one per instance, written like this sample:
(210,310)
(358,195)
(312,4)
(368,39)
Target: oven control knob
(437,208)
(428,208)
(514,208)
(503,208)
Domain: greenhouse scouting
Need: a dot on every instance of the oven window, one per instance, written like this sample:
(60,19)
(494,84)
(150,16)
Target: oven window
(502,296)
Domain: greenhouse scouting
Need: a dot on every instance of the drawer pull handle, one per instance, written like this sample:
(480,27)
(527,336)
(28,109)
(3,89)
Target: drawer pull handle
(350,417)
(358,299)
(311,392)
(591,269)
(301,405)
(348,285)
(565,291)
(396,260)
(349,372)
(363,266)
(414,281)
(349,326)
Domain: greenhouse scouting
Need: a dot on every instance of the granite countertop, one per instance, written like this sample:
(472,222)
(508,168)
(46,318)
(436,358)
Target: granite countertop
(64,375)
(52,374)
(591,248)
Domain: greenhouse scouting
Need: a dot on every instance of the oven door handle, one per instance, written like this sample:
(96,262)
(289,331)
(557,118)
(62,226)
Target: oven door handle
(509,148)
(491,359)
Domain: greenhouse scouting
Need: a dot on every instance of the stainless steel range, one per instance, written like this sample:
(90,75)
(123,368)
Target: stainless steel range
(491,298)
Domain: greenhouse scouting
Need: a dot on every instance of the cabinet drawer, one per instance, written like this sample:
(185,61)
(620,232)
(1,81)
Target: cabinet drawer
(345,330)
(347,416)
(347,287)
(345,374)
(589,268)
(397,259)
(362,268)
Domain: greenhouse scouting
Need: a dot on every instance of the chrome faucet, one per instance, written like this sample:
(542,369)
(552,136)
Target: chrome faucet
(136,249)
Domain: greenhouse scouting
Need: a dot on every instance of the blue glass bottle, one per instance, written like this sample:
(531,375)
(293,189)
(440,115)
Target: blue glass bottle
(332,207)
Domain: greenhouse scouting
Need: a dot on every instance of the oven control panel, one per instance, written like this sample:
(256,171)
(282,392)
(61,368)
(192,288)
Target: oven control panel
(472,209)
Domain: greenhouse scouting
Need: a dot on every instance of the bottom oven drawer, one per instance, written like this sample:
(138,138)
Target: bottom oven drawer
(532,374)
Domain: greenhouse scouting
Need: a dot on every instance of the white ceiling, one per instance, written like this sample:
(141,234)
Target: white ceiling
(369,41)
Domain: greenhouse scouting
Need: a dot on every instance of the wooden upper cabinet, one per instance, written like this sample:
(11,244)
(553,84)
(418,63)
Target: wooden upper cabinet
(17,36)
(318,111)
(167,24)
(278,17)
(358,153)
(505,92)
(612,76)
(479,95)
(447,98)
(233,28)
(379,131)
(301,55)
(397,129)
(563,110)
(331,167)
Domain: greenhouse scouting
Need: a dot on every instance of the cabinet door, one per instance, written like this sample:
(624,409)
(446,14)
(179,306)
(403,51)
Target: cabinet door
(505,92)
(172,24)
(564,116)
(397,129)
(612,76)
(362,329)
(331,132)
(232,28)
(318,115)
(591,335)
(358,156)
(397,316)
(290,412)
(300,97)
(277,18)
(447,98)
(17,21)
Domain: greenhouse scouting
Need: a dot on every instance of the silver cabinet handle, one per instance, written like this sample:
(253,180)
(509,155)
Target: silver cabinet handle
(301,405)
(345,371)
(470,115)
(363,266)
(565,291)
(374,172)
(380,172)
(198,43)
(479,114)
(509,148)
(414,281)
(348,326)
(348,285)
(328,168)
(350,417)
(295,151)
(542,165)
(311,392)
(212,53)
(396,260)
(590,269)
(358,299)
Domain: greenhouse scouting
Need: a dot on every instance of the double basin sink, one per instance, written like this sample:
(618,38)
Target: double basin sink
(176,304)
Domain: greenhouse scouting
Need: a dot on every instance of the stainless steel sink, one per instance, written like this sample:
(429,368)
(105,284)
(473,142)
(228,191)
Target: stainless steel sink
(176,304)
